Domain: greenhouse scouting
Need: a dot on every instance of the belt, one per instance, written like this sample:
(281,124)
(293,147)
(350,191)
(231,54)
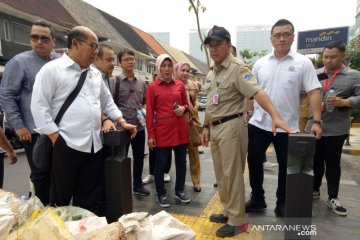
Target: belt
(225,119)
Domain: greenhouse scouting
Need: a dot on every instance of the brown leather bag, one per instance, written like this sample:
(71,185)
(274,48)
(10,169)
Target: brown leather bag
(195,131)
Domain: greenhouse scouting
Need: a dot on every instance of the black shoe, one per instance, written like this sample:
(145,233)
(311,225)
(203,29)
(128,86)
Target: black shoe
(182,197)
(141,191)
(228,231)
(280,210)
(218,218)
(163,202)
(215,184)
(201,152)
(197,188)
(255,205)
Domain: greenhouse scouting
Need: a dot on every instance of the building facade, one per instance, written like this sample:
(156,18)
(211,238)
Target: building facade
(357,20)
(162,36)
(253,38)
(195,44)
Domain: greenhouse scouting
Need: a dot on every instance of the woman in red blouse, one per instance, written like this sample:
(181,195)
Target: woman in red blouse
(166,103)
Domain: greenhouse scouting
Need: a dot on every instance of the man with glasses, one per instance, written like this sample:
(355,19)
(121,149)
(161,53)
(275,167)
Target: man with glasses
(77,163)
(129,96)
(15,97)
(282,74)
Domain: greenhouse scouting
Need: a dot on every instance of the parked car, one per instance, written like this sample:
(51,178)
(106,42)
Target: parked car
(202,103)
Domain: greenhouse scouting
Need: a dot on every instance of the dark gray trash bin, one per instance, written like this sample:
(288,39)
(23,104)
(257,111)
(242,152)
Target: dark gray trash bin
(117,175)
(299,184)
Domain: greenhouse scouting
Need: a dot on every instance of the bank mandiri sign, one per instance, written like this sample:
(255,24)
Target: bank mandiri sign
(314,41)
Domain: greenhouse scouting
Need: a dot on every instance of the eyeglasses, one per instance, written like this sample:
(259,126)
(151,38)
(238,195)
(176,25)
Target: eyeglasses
(129,59)
(285,35)
(42,38)
(93,45)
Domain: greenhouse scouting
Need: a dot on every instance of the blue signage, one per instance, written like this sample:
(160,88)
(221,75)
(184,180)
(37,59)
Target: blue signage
(314,41)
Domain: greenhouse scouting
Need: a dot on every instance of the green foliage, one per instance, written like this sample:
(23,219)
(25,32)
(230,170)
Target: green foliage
(353,54)
(353,60)
(317,61)
(250,57)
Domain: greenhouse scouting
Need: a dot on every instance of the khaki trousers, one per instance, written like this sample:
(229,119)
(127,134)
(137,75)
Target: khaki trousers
(228,142)
(304,113)
(194,162)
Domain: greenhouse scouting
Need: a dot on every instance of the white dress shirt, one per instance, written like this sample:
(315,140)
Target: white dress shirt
(283,80)
(81,124)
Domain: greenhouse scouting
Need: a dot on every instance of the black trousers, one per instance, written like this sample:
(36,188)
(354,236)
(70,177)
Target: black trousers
(138,149)
(152,163)
(162,161)
(2,155)
(327,156)
(41,179)
(76,175)
(259,141)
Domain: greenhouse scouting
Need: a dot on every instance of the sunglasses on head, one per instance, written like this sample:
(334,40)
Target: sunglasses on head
(35,38)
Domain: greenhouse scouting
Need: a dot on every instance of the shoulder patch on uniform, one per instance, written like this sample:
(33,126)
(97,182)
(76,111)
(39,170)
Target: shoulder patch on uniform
(247,76)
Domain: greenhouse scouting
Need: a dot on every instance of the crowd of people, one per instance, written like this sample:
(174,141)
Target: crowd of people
(245,113)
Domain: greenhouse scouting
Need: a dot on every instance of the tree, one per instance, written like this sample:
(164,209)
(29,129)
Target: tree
(353,54)
(197,7)
(352,60)
(250,57)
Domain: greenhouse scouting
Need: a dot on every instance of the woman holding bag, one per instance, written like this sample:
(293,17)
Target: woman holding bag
(166,104)
(182,72)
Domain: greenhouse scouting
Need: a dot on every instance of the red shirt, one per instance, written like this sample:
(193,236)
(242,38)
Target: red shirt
(162,124)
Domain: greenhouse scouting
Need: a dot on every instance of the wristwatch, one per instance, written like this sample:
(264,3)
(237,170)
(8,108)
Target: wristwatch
(205,126)
(318,122)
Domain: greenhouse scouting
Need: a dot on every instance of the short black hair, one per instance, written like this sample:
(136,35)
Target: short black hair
(234,49)
(101,49)
(282,22)
(341,46)
(75,33)
(126,51)
(42,23)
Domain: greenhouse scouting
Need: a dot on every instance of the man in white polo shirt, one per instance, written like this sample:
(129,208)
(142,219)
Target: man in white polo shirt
(282,74)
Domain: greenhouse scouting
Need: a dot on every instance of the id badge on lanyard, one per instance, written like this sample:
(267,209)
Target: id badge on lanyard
(216,96)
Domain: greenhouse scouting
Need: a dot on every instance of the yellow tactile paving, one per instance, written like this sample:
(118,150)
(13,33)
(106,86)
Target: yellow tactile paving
(270,150)
(214,206)
(205,230)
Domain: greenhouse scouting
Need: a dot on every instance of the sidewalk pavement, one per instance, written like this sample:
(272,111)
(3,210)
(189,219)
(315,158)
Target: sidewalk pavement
(354,142)
(196,214)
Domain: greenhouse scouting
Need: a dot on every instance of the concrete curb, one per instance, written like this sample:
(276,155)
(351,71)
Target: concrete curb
(351,151)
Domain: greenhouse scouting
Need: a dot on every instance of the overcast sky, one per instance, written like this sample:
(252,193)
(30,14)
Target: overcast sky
(173,15)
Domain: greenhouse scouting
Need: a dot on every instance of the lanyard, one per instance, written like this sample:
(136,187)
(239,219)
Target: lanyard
(333,76)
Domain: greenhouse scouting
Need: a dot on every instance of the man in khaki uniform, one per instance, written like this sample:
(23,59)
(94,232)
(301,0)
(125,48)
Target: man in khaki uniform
(230,82)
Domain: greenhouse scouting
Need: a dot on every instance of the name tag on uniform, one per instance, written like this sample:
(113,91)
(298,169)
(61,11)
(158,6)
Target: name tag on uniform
(216,97)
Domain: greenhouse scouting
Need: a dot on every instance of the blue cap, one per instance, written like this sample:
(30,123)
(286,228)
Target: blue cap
(218,34)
